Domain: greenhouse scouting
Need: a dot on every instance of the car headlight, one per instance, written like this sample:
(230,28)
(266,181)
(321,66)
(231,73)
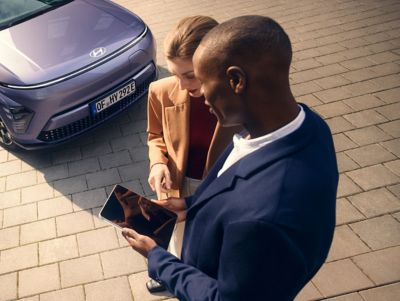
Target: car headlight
(20,118)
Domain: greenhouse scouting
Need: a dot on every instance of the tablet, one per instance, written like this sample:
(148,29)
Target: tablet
(127,209)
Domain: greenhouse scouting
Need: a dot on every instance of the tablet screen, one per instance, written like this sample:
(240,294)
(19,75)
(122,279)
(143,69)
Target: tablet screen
(127,209)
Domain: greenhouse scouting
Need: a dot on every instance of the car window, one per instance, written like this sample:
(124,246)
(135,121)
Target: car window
(16,11)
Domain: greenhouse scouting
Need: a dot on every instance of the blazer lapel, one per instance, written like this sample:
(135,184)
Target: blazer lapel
(259,159)
(177,122)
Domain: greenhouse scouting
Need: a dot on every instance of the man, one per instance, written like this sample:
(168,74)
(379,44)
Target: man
(261,224)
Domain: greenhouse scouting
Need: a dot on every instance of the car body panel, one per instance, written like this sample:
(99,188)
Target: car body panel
(63,39)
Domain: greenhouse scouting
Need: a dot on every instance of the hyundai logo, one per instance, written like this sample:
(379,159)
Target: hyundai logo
(97,52)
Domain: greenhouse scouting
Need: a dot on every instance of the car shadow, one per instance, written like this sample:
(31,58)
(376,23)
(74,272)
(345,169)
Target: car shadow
(79,175)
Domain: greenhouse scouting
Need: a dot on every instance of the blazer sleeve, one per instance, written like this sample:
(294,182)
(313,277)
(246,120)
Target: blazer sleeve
(257,262)
(155,140)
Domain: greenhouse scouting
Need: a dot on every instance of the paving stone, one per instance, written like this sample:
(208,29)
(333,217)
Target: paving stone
(306,64)
(10,168)
(9,238)
(115,159)
(8,287)
(20,180)
(134,171)
(70,185)
(10,199)
(365,118)
(357,63)
(380,266)
(373,177)
(126,142)
(58,249)
(103,178)
(342,142)
(139,154)
(348,297)
(375,202)
(339,124)
(89,199)
(112,289)
(68,294)
(74,223)
(309,292)
(385,69)
(340,277)
(332,82)
(310,100)
(346,186)
(363,102)
(19,215)
(34,298)
(334,94)
(389,96)
(96,149)
(122,262)
(392,128)
(38,231)
(134,127)
(393,146)
(395,189)
(53,173)
(368,135)
(2,184)
(394,166)
(66,155)
(134,185)
(304,88)
(370,155)
(389,292)
(138,286)
(333,109)
(360,75)
(391,112)
(3,156)
(81,270)
(345,163)
(1,219)
(84,166)
(379,232)
(98,222)
(38,280)
(97,240)
(18,258)
(37,193)
(54,207)
(345,244)
(346,212)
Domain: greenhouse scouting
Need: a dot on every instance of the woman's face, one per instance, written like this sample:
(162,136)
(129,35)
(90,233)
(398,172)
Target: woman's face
(183,70)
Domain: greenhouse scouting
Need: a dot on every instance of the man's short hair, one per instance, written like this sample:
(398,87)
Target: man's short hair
(249,38)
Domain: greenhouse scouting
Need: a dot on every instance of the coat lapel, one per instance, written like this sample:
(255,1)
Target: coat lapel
(259,159)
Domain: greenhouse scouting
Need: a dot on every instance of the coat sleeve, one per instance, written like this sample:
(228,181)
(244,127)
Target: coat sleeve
(155,140)
(257,262)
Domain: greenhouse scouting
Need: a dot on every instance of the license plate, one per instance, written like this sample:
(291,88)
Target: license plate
(113,98)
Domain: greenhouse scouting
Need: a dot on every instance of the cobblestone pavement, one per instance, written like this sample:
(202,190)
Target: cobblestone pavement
(346,67)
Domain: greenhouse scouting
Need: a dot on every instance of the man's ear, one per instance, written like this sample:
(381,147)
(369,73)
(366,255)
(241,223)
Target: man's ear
(237,79)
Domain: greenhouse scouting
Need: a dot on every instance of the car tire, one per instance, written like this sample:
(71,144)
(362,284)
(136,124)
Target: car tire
(6,140)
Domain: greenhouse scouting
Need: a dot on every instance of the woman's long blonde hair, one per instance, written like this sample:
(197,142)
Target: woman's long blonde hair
(183,40)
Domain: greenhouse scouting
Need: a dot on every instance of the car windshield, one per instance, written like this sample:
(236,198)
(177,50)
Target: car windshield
(17,11)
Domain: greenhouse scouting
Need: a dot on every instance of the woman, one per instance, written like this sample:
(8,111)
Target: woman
(184,139)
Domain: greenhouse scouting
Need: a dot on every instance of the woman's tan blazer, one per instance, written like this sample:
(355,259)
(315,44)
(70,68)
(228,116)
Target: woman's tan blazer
(168,131)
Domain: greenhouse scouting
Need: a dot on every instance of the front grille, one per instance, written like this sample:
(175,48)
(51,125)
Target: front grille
(86,123)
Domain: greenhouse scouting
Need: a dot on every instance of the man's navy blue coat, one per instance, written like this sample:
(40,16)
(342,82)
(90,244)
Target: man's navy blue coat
(263,228)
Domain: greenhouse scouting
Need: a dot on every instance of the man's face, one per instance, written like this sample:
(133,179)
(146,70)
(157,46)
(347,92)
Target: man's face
(218,94)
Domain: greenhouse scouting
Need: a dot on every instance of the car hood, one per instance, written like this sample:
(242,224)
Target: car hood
(59,42)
